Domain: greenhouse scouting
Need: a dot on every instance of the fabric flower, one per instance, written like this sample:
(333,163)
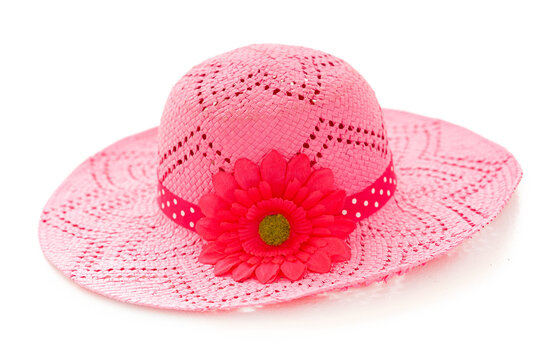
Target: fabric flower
(277,219)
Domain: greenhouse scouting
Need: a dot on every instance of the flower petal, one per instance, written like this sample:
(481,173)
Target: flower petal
(319,242)
(246,173)
(225,265)
(342,227)
(211,203)
(299,223)
(320,231)
(266,273)
(210,255)
(301,195)
(228,226)
(238,210)
(319,262)
(337,249)
(242,197)
(307,247)
(312,199)
(225,215)
(254,260)
(322,179)
(265,190)
(224,185)
(228,237)
(334,202)
(293,270)
(248,230)
(303,256)
(316,211)
(243,271)
(208,228)
(254,194)
(255,213)
(323,221)
(298,168)
(273,170)
(291,189)
(234,247)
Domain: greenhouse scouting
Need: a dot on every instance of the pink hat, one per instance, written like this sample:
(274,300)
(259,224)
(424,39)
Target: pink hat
(274,175)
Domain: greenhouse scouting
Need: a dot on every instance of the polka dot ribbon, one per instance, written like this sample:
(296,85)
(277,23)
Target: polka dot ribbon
(357,206)
(363,204)
(183,212)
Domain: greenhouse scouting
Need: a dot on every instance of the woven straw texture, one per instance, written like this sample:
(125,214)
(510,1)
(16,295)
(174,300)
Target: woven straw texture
(262,97)
(104,229)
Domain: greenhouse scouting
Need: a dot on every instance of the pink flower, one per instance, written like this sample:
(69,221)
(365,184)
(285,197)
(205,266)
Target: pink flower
(277,219)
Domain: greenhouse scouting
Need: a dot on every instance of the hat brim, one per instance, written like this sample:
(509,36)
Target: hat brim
(103,229)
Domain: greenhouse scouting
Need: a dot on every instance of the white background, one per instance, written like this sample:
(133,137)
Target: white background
(76,77)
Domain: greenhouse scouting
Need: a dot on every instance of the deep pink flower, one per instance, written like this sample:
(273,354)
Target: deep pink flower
(276,219)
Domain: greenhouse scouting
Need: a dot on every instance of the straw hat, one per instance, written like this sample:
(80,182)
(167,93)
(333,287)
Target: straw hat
(274,174)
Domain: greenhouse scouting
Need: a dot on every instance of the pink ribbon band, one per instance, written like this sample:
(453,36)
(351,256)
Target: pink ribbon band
(357,206)
(182,212)
(364,203)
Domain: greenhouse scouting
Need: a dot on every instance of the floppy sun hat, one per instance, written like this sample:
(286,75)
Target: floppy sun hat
(274,174)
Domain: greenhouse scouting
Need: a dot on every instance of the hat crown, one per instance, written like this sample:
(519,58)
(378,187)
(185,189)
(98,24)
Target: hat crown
(246,102)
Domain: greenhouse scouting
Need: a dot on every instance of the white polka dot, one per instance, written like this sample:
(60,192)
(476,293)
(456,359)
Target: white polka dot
(381,191)
(344,212)
(373,190)
(168,203)
(192,210)
(358,214)
(174,216)
(366,203)
(182,213)
(388,192)
(376,204)
(191,224)
(163,205)
(385,179)
(175,201)
(163,192)
(354,201)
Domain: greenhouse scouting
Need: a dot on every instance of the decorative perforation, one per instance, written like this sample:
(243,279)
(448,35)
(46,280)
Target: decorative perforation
(349,135)
(252,81)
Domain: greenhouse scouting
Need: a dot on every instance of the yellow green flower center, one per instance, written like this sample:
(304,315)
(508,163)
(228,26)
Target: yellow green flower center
(274,229)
